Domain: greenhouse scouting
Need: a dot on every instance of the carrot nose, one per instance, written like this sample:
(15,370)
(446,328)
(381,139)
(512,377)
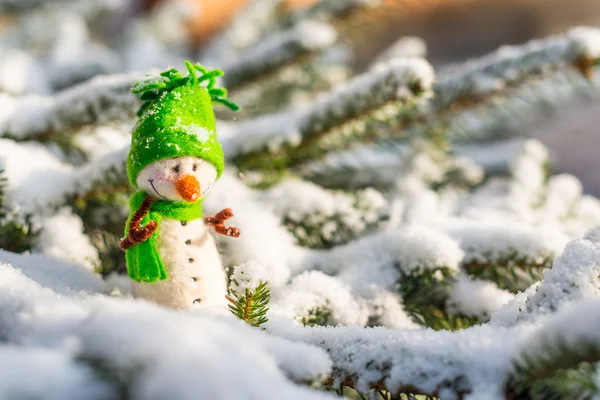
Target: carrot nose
(188,187)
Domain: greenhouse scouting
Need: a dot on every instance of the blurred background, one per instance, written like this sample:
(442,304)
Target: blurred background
(48,46)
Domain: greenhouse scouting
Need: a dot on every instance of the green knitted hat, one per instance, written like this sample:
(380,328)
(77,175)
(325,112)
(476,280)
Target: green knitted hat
(177,119)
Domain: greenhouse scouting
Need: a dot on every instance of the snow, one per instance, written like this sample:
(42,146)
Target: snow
(511,64)
(475,297)
(60,276)
(62,236)
(312,290)
(33,169)
(588,39)
(505,117)
(378,260)
(391,81)
(200,132)
(356,96)
(247,277)
(271,131)
(52,330)
(21,73)
(489,242)
(104,98)
(101,141)
(43,373)
(278,50)
(379,165)
(573,277)
(263,239)
(298,199)
(476,358)
(582,319)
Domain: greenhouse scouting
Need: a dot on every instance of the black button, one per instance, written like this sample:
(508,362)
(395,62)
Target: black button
(191,260)
(194,278)
(189,241)
(197,301)
(183,223)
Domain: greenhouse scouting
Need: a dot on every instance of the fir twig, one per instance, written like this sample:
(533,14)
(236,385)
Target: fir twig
(252,306)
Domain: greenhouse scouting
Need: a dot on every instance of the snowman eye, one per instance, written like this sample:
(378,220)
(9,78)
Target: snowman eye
(176,168)
(194,167)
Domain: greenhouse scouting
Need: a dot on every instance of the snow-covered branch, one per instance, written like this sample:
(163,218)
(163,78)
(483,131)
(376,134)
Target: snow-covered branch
(509,66)
(261,59)
(520,107)
(101,100)
(381,163)
(396,85)
(38,180)
(323,219)
(573,277)
(24,6)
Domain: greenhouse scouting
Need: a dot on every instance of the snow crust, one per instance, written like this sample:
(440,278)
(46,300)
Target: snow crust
(78,335)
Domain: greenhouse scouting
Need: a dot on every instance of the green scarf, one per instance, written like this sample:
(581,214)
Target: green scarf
(143,261)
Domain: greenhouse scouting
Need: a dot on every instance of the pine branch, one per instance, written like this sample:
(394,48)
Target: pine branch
(317,316)
(324,219)
(573,277)
(425,295)
(252,305)
(273,53)
(510,113)
(509,67)
(559,358)
(101,100)
(59,183)
(22,6)
(500,103)
(512,255)
(512,273)
(313,133)
(389,92)
(15,236)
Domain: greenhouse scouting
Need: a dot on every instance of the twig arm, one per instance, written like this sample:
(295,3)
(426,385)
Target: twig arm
(136,234)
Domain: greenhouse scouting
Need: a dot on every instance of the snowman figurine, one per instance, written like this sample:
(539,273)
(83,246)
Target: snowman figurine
(174,160)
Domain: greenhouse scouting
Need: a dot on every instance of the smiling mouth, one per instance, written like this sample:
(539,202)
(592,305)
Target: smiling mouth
(156,191)
(207,189)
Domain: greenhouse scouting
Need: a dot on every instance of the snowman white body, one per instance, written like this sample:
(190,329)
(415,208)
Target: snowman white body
(186,248)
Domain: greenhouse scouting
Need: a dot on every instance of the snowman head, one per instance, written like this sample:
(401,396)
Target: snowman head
(175,154)
(185,178)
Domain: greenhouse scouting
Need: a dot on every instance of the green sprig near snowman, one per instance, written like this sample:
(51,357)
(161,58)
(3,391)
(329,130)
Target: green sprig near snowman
(174,160)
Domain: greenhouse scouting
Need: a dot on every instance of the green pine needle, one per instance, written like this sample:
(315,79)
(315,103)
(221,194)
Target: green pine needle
(153,87)
(252,307)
